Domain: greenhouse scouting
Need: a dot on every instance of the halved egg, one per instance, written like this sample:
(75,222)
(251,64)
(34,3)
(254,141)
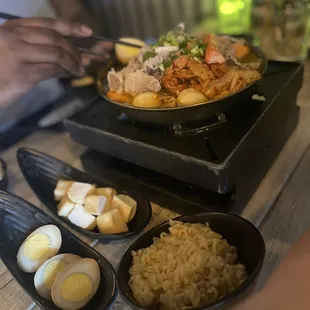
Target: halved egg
(47,273)
(39,246)
(76,285)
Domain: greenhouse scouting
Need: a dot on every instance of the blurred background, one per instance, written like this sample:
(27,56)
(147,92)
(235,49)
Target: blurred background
(280,27)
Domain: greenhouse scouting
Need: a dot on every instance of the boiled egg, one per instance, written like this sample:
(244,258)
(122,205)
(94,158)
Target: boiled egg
(39,246)
(47,273)
(79,191)
(76,284)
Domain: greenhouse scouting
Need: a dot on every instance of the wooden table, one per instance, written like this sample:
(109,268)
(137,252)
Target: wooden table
(279,207)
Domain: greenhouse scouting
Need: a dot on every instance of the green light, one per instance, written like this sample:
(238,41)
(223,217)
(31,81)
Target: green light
(240,4)
(228,8)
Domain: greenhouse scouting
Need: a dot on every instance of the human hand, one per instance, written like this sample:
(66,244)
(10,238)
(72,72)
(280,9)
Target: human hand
(102,51)
(34,49)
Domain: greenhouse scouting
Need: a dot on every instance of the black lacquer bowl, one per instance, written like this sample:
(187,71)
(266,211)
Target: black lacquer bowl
(4,178)
(236,230)
(18,219)
(42,173)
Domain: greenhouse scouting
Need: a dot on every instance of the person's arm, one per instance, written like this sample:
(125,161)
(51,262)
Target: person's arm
(288,287)
(34,49)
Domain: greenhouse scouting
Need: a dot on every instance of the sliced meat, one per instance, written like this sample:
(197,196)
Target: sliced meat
(116,81)
(138,82)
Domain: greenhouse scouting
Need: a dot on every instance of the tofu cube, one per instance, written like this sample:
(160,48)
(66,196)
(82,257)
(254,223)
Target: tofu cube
(126,205)
(108,192)
(61,189)
(65,207)
(96,205)
(111,222)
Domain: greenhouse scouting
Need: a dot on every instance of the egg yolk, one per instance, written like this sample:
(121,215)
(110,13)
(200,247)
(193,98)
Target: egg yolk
(51,271)
(37,247)
(76,287)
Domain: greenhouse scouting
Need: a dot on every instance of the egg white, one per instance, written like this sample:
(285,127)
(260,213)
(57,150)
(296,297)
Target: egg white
(85,266)
(31,265)
(43,290)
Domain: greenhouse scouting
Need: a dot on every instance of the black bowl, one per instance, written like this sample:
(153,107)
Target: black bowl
(18,219)
(42,173)
(236,230)
(4,179)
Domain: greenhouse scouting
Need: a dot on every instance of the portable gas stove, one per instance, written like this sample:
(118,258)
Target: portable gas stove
(215,164)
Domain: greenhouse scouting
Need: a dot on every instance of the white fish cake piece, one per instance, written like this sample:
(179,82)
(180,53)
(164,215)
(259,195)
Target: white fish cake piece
(81,218)
(79,191)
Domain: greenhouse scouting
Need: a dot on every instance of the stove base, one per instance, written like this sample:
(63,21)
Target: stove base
(178,196)
(217,169)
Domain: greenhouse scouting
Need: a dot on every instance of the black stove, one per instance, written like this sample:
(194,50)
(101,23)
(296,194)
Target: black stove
(214,164)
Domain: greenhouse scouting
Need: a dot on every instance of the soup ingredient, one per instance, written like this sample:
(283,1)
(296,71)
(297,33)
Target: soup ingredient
(169,101)
(126,53)
(61,189)
(213,54)
(79,191)
(108,192)
(39,246)
(132,82)
(96,205)
(112,222)
(82,82)
(241,50)
(138,82)
(126,205)
(190,96)
(233,81)
(81,218)
(147,100)
(47,273)
(121,98)
(65,207)
(191,266)
(185,73)
(166,49)
(179,61)
(76,285)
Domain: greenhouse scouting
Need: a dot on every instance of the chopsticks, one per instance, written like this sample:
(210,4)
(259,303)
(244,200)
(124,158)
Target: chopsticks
(116,41)
(95,37)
